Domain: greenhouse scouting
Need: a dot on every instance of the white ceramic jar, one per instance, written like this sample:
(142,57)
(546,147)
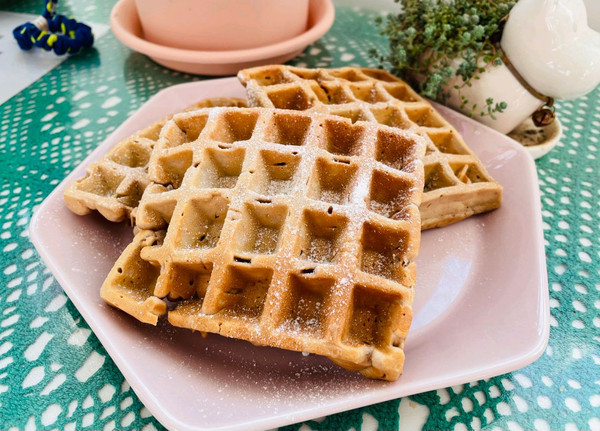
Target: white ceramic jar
(552,47)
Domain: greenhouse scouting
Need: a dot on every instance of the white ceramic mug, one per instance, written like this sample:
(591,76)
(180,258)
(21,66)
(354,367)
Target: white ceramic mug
(220,25)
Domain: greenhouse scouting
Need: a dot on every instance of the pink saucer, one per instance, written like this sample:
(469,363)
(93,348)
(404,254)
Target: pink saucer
(126,26)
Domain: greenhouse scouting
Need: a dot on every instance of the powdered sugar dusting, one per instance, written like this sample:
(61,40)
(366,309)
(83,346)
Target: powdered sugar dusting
(296,234)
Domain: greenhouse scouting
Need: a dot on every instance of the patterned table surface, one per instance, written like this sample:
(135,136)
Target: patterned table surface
(54,373)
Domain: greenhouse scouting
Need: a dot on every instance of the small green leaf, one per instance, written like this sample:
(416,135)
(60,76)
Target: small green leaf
(454,34)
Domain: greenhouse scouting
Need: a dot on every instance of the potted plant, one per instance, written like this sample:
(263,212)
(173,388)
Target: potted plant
(497,61)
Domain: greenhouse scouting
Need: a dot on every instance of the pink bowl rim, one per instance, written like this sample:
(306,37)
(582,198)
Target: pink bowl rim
(322,24)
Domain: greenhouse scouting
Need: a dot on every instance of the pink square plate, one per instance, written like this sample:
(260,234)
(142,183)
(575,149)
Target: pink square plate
(481,305)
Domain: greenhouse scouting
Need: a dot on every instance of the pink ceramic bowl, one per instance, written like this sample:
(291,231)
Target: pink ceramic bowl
(126,26)
(218,25)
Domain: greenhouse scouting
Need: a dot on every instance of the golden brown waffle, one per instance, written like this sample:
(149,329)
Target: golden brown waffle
(283,228)
(456,182)
(114,184)
(136,295)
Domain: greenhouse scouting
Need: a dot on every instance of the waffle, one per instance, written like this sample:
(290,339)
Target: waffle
(135,295)
(114,184)
(283,228)
(456,182)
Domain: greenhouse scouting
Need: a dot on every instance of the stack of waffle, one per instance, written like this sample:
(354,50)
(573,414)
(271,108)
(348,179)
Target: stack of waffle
(294,223)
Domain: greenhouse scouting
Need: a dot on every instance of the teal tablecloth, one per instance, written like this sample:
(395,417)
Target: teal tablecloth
(54,374)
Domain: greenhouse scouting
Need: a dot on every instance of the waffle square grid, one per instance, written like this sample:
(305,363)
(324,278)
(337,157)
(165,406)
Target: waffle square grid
(456,182)
(289,229)
(115,183)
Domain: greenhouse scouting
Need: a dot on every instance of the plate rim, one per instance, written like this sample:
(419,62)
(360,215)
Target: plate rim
(332,406)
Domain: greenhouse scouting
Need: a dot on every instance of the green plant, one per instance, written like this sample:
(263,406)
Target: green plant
(431,41)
